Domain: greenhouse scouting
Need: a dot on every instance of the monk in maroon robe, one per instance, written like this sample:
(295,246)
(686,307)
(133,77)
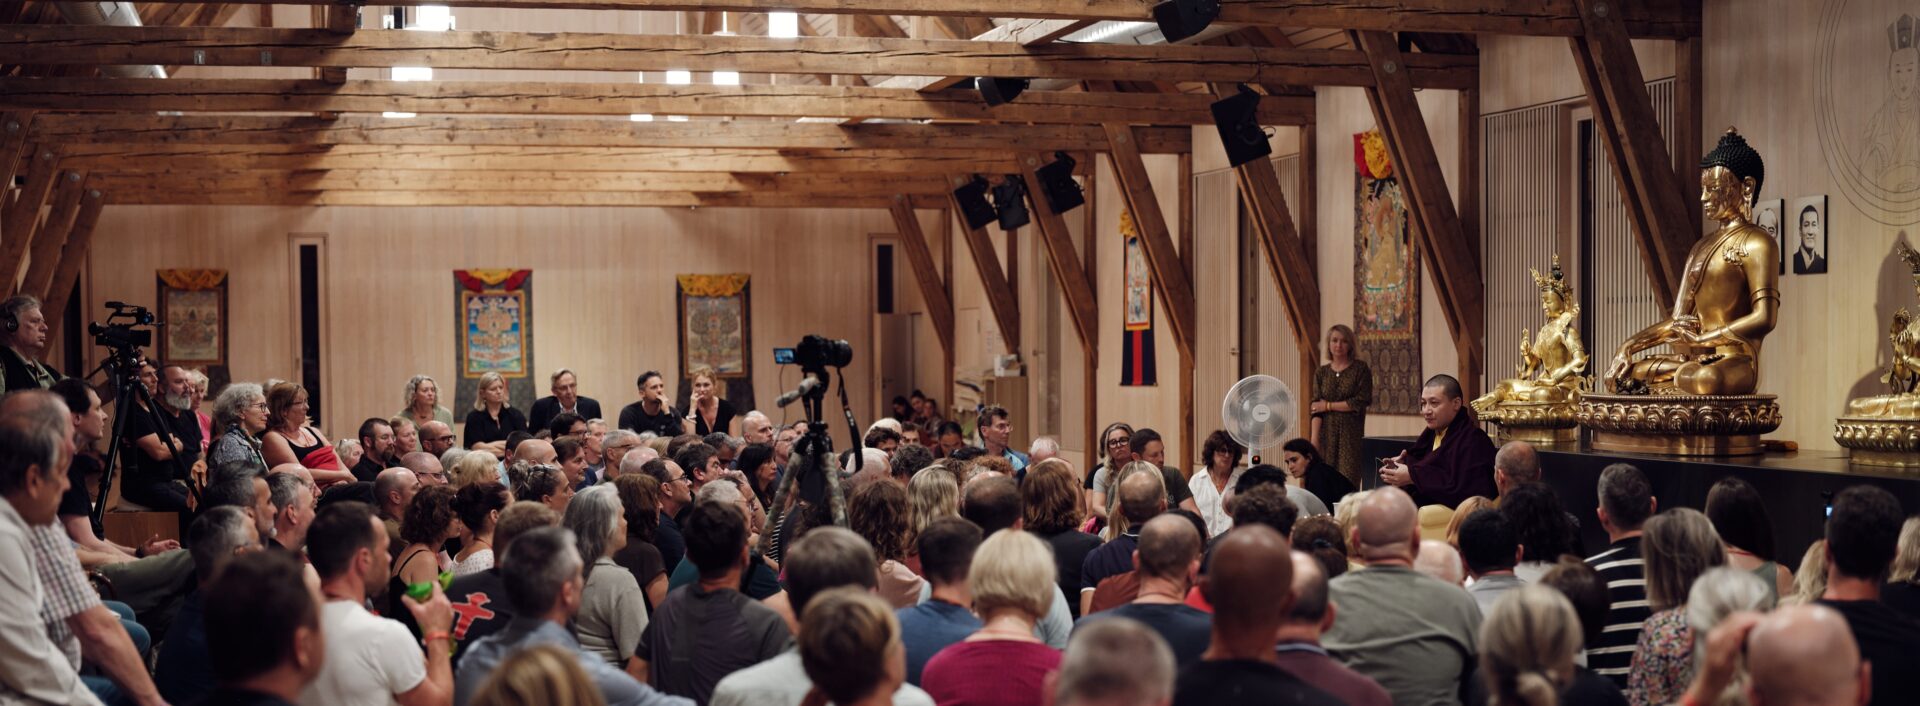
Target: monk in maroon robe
(1453,459)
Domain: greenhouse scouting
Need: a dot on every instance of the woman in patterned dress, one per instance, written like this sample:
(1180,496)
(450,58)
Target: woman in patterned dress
(1342,389)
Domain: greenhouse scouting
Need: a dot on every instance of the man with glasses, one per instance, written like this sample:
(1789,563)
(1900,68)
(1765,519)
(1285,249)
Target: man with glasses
(651,413)
(426,467)
(614,448)
(676,494)
(436,437)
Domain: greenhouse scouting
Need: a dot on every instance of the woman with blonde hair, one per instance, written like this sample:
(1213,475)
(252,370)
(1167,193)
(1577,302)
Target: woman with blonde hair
(612,614)
(1679,545)
(541,675)
(1342,390)
(1050,509)
(849,645)
(932,493)
(492,419)
(1012,581)
(1527,645)
(197,383)
(291,438)
(475,467)
(1810,581)
(423,403)
(1902,591)
(707,412)
(1117,522)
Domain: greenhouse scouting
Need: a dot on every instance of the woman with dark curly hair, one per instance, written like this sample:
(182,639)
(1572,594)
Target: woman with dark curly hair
(640,498)
(878,512)
(1545,529)
(478,505)
(1321,537)
(1306,465)
(1220,460)
(427,524)
(1050,509)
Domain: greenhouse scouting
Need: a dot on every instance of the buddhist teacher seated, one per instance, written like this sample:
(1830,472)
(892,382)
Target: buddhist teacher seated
(1453,459)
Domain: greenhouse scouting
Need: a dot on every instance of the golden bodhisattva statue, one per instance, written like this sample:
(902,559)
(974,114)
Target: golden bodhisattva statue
(1538,404)
(1884,430)
(1702,399)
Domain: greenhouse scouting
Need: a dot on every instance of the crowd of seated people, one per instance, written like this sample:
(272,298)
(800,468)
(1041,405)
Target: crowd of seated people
(670,559)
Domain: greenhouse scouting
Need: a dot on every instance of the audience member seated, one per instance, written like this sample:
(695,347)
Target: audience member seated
(423,407)
(565,398)
(480,605)
(1322,538)
(1114,662)
(1250,586)
(186,671)
(26,343)
(1051,497)
(1312,472)
(425,466)
(263,636)
(1441,561)
(947,547)
(570,455)
(1527,649)
(676,497)
(290,438)
(640,502)
(437,438)
(1220,462)
(1143,496)
(850,650)
(492,419)
(162,459)
(393,492)
(614,447)
(1412,633)
(1452,460)
(543,484)
(733,631)
(1797,655)
(349,452)
(1305,503)
(826,561)
(1588,594)
(473,467)
(1299,647)
(707,412)
(756,462)
(34,445)
(1544,527)
(877,511)
(758,580)
(1740,517)
(996,432)
(1902,592)
(543,584)
(239,416)
(426,527)
(236,485)
(376,440)
(1626,501)
(1679,546)
(1863,534)
(370,659)
(612,608)
(1003,662)
(406,437)
(478,506)
(1717,596)
(541,674)
(651,413)
(1490,549)
(1167,562)
(756,428)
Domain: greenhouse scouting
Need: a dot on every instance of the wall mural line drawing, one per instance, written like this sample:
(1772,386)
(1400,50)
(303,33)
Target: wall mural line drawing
(1386,280)
(1874,157)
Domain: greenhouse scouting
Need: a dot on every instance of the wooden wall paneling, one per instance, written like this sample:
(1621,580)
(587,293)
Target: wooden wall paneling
(1185,239)
(1622,113)
(73,255)
(51,235)
(1169,275)
(933,287)
(1006,310)
(1452,258)
(1689,73)
(18,219)
(1063,258)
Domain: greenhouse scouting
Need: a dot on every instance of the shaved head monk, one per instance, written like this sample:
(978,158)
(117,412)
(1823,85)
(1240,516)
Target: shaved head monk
(1414,634)
(1453,459)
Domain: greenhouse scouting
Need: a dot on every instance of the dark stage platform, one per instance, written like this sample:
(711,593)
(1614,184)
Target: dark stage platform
(1797,486)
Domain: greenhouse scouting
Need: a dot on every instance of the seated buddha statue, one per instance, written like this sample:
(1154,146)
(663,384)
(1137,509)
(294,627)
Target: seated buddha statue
(1903,374)
(1551,360)
(1728,299)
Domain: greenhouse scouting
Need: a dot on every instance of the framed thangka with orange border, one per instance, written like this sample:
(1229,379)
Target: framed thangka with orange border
(716,331)
(494,325)
(193,303)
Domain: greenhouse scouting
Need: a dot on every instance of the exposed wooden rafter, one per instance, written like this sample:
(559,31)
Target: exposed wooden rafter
(52,234)
(531,181)
(157,158)
(1169,274)
(72,255)
(933,287)
(993,278)
(19,219)
(1063,258)
(654,199)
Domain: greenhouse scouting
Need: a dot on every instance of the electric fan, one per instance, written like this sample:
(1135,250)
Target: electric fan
(1259,411)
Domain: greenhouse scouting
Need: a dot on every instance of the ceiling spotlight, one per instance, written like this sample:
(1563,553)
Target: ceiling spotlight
(974,209)
(1238,119)
(1010,202)
(1180,19)
(1057,184)
(999,91)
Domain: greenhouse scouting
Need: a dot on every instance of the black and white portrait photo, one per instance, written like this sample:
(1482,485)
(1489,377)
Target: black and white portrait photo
(1807,235)
(1766,214)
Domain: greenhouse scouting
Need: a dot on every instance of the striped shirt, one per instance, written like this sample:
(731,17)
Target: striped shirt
(1624,571)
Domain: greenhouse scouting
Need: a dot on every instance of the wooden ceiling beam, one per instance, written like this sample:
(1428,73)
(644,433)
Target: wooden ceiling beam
(52,235)
(72,256)
(18,219)
(653,199)
(1643,18)
(254,46)
(993,277)
(120,128)
(428,180)
(933,287)
(493,97)
(1063,257)
(586,159)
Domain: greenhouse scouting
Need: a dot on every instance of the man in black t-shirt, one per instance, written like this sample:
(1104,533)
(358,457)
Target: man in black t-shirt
(480,605)
(1863,533)
(1250,586)
(376,437)
(1168,559)
(152,478)
(651,413)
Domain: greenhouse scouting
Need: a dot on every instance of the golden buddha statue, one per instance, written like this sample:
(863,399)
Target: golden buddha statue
(1699,399)
(1537,404)
(1729,298)
(1884,430)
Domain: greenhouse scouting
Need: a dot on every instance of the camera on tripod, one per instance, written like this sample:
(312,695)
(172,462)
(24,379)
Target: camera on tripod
(121,330)
(817,351)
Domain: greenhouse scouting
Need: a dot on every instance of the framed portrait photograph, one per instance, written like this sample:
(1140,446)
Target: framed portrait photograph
(1766,214)
(1806,226)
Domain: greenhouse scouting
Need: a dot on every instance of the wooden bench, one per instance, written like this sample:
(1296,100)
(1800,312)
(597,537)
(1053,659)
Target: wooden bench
(129,524)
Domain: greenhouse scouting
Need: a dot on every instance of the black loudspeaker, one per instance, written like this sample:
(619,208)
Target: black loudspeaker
(999,91)
(1057,184)
(1237,117)
(974,208)
(1010,202)
(1180,19)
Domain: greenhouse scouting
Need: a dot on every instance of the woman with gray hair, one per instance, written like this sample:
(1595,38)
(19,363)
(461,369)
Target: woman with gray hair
(612,614)
(1717,594)
(241,412)
(423,403)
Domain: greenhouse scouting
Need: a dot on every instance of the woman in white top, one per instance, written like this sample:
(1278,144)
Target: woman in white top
(478,506)
(612,612)
(1220,456)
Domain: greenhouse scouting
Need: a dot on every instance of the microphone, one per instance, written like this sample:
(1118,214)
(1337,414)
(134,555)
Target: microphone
(807,386)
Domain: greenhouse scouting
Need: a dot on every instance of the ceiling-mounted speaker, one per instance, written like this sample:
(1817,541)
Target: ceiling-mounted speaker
(1010,202)
(974,208)
(1180,19)
(1057,184)
(1238,119)
(999,91)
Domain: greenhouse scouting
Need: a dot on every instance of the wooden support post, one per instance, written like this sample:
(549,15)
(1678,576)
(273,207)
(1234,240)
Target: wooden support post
(17,219)
(1184,237)
(946,266)
(1656,201)
(1451,257)
(1469,166)
(341,20)
(1689,71)
(1090,373)
(13,141)
(1169,277)
(72,255)
(1308,210)
(933,287)
(1006,309)
(52,233)
(1063,258)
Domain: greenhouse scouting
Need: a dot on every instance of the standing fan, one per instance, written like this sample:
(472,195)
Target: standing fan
(1259,411)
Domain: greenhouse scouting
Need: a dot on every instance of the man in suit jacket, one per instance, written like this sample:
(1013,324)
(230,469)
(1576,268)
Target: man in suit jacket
(1808,258)
(565,398)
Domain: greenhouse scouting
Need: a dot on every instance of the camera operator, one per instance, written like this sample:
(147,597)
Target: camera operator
(150,477)
(25,329)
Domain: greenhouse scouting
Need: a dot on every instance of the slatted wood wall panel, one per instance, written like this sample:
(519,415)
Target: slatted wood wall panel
(1623,299)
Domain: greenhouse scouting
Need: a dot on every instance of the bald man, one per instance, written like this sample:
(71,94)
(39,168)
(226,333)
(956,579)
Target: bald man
(425,466)
(1441,561)
(1250,585)
(535,451)
(392,490)
(1299,649)
(1143,496)
(1167,563)
(1517,463)
(436,437)
(1414,634)
(1800,655)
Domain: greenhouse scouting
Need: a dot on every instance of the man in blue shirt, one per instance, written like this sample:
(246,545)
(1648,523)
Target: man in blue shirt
(946,551)
(996,433)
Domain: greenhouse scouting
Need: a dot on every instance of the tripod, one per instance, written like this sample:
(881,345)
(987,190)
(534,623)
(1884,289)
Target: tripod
(122,367)
(813,459)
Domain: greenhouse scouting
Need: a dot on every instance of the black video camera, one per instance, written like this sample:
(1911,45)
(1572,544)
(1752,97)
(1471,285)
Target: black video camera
(121,330)
(820,352)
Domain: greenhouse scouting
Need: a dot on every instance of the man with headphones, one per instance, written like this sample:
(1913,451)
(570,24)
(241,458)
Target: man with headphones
(26,340)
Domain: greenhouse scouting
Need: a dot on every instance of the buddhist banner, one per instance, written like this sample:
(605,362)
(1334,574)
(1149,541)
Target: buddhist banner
(493,324)
(1386,289)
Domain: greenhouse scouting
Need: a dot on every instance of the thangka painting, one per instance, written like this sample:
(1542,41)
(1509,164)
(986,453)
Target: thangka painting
(1386,292)
(716,331)
(193,303)
(1136,351)
(494,324)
